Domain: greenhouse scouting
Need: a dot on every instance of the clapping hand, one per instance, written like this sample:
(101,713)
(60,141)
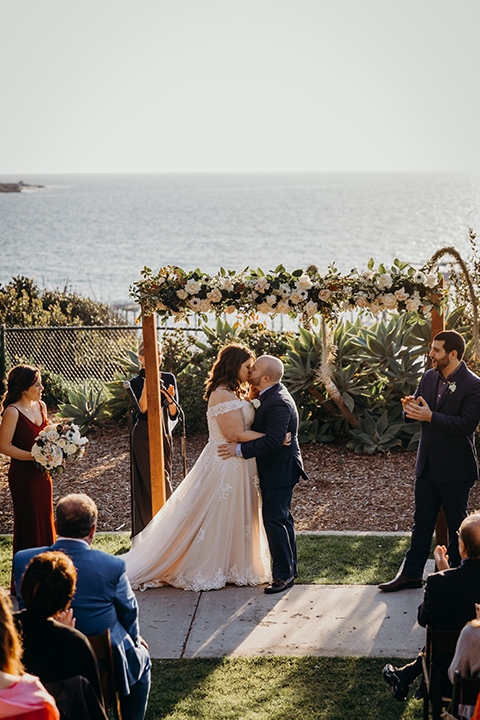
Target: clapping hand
(66,618)
(441,557)
(416,409)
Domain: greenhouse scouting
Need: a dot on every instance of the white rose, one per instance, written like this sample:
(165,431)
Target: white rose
(361,300)
(384,281)
(182,294)
(271,299)
(389,301)
(431,280)
(295,298)
(283,307)
(226,284)
(230,309)
(205,305)
(324,294)
(304,283)
(36,451)
(52,435)
(374,308)
(264,309)
(311,308)
(62,442)
(401,294)
(71,448)
(412,304)
(262,284)
(214,295)
(192,286)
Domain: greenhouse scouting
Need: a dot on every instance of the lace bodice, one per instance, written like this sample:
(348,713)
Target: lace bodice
(248,412)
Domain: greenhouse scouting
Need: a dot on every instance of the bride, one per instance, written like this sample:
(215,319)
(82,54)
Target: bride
(210,532)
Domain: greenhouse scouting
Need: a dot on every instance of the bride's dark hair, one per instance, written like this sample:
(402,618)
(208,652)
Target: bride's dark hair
(20,378)
(226,367)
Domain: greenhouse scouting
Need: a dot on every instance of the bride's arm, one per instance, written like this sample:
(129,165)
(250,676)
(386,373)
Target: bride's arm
(231,423)
(232,427)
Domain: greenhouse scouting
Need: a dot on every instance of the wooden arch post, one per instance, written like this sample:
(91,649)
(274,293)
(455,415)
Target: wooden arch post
(154,404)
(438,325)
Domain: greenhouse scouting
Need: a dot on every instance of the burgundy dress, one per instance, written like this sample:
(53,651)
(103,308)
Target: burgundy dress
(31,490)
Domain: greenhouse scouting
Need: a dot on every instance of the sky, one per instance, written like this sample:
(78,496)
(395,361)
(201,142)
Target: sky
(102,86)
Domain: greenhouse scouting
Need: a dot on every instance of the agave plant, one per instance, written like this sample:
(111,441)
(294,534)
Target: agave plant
(84,407)
(376,434)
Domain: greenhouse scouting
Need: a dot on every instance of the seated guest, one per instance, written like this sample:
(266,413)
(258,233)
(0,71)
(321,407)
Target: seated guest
(467,657)
(53,650)
(448,603)
(103,599)
(21,695)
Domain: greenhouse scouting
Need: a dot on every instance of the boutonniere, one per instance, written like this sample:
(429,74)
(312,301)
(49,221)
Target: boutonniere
(256,403)
(452,386)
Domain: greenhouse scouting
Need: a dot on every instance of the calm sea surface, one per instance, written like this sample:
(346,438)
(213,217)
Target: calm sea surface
(96,232)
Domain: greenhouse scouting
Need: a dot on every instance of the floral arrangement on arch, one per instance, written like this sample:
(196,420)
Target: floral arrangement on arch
(302,293)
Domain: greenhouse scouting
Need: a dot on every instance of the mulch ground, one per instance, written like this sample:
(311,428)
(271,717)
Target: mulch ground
(345,491)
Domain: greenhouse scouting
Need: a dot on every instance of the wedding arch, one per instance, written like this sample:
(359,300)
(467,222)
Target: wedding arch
(305,295)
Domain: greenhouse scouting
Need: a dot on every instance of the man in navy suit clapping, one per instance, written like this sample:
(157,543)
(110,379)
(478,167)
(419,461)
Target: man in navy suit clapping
(279,465)
(447,403)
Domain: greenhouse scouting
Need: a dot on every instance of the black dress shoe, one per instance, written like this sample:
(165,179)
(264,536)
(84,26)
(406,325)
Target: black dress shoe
(402,582)
(399,687)
(279,585)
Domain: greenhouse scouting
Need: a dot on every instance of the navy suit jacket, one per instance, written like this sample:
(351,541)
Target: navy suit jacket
(447,442)
(103,599)
(450,597)
(278,465)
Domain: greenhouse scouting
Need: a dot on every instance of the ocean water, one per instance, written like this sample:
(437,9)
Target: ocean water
(94,233)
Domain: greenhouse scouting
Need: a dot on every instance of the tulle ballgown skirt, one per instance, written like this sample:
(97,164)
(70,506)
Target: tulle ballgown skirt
(209,533)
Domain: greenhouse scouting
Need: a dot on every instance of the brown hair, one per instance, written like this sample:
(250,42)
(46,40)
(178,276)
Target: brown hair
(10,645)
(75,515)
(20,378)
(452,340)
(226,367)
(48,584)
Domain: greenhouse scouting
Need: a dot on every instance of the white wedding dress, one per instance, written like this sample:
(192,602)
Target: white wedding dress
(210,531)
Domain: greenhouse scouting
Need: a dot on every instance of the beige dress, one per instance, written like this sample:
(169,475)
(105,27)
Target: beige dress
(209,532)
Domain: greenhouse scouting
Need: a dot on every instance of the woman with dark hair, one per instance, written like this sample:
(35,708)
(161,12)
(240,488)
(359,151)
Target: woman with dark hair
(52,648)
(209,532)
(21,694)
(141,487)
(24,416)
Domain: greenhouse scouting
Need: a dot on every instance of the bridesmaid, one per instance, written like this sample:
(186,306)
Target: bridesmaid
(24,415)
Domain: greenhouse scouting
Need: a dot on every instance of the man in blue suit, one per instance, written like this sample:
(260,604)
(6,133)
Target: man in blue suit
(447,403)
(279,466)
(103,599)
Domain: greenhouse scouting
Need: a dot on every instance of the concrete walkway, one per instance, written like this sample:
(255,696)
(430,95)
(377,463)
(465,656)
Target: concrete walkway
(352,620)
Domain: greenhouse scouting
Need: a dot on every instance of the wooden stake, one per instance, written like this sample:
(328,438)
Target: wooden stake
(154,407)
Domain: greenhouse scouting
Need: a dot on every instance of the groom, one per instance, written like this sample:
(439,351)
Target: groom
(279,466)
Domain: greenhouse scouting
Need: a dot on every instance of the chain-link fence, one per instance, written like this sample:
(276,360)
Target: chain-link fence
(76,353)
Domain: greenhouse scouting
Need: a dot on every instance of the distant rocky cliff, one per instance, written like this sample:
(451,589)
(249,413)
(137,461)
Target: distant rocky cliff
(16,187)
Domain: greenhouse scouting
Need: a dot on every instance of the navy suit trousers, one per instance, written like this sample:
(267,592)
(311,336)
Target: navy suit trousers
(429,498)
(278,522)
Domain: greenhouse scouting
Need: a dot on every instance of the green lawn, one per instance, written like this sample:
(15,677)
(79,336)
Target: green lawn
(281,688)
(276,688)
(331,559)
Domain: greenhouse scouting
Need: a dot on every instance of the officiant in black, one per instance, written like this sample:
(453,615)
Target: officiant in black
(141,489)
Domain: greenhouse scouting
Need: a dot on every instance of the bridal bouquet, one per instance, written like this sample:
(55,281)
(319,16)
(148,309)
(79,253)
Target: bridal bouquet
(56,445)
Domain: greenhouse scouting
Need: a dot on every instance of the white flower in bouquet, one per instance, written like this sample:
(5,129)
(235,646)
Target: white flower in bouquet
(56,444)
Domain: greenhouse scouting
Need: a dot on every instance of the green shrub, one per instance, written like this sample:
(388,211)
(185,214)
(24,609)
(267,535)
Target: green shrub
(22,304)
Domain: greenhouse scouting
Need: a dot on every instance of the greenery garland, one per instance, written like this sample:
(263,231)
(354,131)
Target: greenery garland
(302,294)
